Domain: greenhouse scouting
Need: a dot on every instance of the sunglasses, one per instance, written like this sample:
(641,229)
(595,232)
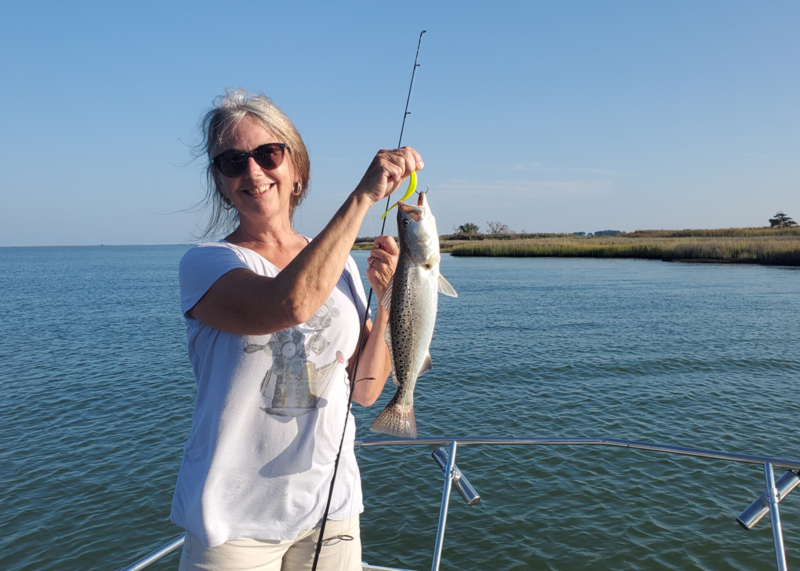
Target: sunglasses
(233,163)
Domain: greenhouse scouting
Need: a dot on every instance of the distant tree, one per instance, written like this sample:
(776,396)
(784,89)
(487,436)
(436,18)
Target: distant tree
(781,220)
(468,228)
(497,228)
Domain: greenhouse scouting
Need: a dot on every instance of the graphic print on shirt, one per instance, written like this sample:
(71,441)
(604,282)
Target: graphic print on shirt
(299,383)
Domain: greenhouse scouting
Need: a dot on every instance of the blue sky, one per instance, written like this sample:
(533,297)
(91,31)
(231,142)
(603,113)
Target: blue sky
(547,116)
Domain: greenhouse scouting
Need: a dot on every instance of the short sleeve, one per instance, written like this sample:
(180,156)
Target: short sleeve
(356,287)
(200,267)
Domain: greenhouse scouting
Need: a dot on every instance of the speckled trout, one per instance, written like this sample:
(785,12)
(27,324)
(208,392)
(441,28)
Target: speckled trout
(411,300)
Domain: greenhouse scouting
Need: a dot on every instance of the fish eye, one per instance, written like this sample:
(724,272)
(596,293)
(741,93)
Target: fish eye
(406,222)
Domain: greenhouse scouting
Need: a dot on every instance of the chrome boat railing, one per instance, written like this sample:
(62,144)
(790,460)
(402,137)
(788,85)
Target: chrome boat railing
(766,502)
(162,551)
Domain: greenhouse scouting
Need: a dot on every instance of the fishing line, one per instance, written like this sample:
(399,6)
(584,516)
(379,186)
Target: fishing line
(361,339)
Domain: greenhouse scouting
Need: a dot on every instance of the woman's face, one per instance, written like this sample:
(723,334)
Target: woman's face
(259,194)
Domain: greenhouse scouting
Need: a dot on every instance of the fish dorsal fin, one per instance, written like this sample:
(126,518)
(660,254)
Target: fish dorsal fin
(386,300)
(446,288)
(426,365)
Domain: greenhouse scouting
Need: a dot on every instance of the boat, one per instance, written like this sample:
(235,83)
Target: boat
(453,477)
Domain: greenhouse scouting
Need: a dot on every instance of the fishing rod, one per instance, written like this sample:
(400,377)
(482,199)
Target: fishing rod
(406,113)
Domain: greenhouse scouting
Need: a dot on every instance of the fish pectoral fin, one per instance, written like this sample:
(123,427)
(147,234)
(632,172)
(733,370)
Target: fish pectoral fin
(426,365)
(446,288)
(386,300)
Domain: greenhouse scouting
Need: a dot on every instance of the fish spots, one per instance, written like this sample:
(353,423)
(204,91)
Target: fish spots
(412,315)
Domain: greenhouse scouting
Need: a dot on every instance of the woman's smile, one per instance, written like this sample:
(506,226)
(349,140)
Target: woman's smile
(258,191)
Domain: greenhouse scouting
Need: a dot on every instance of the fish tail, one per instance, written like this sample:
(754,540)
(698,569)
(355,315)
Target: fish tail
(396,420)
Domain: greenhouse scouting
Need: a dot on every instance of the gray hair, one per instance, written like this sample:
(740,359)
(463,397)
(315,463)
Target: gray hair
(220,122)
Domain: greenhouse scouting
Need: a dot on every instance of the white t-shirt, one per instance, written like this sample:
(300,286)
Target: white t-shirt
(269,413)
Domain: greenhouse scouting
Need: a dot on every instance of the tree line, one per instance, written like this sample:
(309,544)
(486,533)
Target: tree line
(780,220)
(472,228)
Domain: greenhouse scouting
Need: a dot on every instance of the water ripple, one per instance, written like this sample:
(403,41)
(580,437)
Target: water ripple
(99,396)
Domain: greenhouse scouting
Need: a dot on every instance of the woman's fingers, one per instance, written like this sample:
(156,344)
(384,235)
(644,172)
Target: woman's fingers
(381,263)
(388,170)
(386,244)
(381,259)
(407,159)
(414,159)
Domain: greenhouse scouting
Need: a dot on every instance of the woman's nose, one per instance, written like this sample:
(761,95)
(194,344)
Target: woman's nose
(253,168)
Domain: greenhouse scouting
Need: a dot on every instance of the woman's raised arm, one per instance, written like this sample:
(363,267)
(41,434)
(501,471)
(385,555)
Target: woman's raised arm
(245,303)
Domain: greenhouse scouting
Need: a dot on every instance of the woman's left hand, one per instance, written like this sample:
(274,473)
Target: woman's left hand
(381,264)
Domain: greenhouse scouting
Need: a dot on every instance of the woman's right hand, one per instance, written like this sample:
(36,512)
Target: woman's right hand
(381,264)
(387,171)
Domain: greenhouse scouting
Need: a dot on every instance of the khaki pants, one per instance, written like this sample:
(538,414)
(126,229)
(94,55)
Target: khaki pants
(339,552)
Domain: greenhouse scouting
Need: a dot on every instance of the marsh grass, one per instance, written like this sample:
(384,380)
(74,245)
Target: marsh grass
(780,249)
(714,233)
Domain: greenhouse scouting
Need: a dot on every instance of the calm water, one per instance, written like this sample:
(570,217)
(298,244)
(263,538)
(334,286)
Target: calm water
(98,396)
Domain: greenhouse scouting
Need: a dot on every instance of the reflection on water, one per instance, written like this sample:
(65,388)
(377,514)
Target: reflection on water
(99,393)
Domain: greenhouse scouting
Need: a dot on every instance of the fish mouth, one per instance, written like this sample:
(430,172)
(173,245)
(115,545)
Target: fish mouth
(415,212)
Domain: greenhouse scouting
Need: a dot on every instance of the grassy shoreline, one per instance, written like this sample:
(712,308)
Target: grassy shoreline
(773,250)
(727,245)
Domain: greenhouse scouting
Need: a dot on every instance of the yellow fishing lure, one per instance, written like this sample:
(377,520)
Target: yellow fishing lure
(412,186)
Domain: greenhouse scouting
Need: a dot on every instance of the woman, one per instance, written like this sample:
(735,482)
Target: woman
(273,323)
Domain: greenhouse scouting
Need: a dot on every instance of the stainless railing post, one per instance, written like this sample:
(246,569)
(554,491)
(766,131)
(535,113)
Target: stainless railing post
(460,482)
(448,483)
(157,554)
(760,507)
(774,514)
(774,493)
